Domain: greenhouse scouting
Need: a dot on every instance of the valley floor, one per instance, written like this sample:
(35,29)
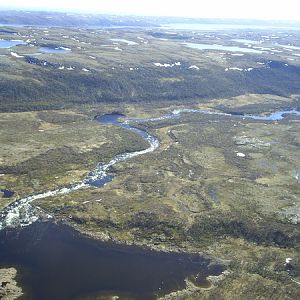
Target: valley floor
(218,184)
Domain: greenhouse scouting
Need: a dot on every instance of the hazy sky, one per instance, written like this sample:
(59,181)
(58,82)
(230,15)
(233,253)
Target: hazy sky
(254,9)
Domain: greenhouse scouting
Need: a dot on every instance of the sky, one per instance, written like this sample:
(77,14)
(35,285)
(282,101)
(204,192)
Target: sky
(245,9)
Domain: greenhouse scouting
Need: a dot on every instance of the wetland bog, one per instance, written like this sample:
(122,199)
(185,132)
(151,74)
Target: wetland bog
(222,183)
(171,204)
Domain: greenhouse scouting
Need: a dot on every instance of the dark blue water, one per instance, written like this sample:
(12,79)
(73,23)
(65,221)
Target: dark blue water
(55,262)
(99,182)
(114,119)
(110,119)
(7,193)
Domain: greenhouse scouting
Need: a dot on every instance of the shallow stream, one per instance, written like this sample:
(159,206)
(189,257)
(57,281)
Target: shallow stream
(56,262)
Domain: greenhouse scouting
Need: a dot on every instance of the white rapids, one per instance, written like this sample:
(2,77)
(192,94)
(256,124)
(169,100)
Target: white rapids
(22,213)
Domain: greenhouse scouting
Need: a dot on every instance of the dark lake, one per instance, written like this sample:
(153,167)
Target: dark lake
(55,262)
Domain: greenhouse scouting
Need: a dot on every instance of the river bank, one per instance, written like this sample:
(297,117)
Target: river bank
(162,200)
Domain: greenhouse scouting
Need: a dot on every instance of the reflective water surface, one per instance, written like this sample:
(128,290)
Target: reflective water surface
(11,43)
(220,47)
(55,262)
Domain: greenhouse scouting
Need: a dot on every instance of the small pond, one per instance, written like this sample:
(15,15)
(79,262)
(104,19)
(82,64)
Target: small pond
(11,43)
(130,43)
(275,116)
(59,50)
(221,48)
(7,193)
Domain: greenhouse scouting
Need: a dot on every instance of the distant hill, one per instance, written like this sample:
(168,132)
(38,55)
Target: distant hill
(69,19)
(103,67)
(44,18)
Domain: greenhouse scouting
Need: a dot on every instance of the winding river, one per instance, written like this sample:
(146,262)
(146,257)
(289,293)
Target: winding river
(55,262)
(22,213)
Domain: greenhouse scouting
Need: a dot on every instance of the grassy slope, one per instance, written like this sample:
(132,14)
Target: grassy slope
(44,150)
(130,75)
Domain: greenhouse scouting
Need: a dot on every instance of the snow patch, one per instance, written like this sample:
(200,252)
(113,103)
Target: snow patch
(168,65)
(194,67)
(64,48)
(240,154)
(238,69)
(235,69)
(14,54)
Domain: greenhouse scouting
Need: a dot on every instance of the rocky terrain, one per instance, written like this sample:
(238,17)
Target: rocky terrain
(9,289)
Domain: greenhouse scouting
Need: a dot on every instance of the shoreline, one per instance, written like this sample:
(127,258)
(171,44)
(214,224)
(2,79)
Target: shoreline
(9,287)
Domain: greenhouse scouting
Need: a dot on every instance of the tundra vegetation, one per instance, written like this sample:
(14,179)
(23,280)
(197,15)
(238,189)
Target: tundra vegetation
(222,185)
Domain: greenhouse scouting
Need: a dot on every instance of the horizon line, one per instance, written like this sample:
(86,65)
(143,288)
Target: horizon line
(77,12)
